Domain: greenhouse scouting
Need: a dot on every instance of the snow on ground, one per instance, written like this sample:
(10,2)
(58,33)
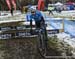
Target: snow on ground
(66,38)
(8,14)
(63,14)
(63,36)
(6,17)
(69,27)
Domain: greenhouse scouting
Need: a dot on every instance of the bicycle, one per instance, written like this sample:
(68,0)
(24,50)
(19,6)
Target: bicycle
(42,37)
(42,40)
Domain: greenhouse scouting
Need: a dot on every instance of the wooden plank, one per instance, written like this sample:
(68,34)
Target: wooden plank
(56,57)
(11,23)
(14,31)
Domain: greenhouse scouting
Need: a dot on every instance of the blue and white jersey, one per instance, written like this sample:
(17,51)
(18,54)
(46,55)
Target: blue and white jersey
(37,16)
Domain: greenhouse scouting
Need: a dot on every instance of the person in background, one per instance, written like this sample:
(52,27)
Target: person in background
(11,11)
(50,9)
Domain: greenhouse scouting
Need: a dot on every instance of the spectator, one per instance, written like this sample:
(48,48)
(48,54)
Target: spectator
(11,11)
(50,9)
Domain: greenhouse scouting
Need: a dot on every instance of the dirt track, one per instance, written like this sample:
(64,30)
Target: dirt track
(18,48)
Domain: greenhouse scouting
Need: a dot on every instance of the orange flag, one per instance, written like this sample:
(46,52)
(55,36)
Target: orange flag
(41,5)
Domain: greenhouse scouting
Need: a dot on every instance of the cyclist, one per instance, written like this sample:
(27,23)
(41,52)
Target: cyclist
(41,29)
(38,18)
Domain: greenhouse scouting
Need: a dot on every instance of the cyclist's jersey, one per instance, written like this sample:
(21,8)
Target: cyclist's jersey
(37,16)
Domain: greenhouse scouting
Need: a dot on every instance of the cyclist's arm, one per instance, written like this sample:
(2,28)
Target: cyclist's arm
(41,16)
